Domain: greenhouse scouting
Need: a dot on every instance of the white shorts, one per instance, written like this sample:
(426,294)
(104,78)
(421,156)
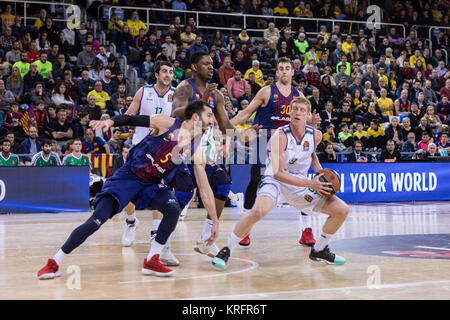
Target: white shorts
(304,199)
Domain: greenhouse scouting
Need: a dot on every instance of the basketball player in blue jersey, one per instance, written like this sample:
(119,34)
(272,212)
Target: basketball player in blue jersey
(272,105)
(150,100)
(139,180)
(199,88)
(291,153)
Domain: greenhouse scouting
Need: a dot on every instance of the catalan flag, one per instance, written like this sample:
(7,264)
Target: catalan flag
(102,161)
(28,119)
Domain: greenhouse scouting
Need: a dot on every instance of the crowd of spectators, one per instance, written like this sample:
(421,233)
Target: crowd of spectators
(377,92)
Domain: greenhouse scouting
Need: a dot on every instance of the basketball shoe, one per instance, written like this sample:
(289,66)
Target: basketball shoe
(50,271)
(129,232)
(155,267)
(238,199)
(220,260)
(327,256)
(183,213)
(203,248)
(167,258)
(246,241)
(307,238)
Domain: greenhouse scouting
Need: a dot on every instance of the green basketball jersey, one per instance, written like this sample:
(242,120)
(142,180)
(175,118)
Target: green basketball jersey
(39,160)
(71,160)
(11,161)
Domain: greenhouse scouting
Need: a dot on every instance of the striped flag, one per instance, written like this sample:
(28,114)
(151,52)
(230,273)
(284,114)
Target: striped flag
(28,119)
(102,161)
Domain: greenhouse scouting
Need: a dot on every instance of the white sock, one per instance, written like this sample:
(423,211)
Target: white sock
(59,256)
(131,217)
(232,196)
(233,241)
(156,223)
(156,248)
(322,241)
(207,230)
(306,221)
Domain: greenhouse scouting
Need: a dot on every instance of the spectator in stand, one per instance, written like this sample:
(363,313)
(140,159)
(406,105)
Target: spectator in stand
(171,47)
(410,145)
(94,144)
(94,110)
(394,132)
(443,109)
(85,84)
(6,41)
(444,144)
(60,95)
(15,145)
(386,105)
(271,34)
(135,24)
(86,58)
(426,140)
(187,37)
(42,43)
(6,97)
(121,93)
(434,121)
(246,96)
(356,156)
(7,159)
(376,136)
(31,78)
(361,135)
(12,121)
(22,64)
(44,68)
(115,143)
(445,91)
(432,152)
(42,119)
(61,130)
(115,26)
(257,71)
(108,84)
(345,136)
(97,70)
(236,87)
(60,67)
(38,94)
(328,155)
(30,145)
(80,124)
(13,55)
(122,158)
(226,71)
(390,154)
(101,96)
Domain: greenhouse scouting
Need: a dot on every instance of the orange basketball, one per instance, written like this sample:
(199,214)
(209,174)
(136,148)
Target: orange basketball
(331,176)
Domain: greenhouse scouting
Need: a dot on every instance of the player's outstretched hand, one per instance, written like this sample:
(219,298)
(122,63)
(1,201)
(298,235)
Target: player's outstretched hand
(214,233)
(101,124)
(322,188)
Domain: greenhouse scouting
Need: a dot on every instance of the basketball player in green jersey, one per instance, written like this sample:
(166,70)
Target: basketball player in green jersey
(76,158)
(8,159)
(46,158)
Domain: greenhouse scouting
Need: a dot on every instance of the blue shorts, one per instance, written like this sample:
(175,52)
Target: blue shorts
(209,169)
(125,187)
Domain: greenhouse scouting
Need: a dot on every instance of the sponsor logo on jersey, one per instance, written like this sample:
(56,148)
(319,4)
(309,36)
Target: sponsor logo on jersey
(292,161)
(306,146)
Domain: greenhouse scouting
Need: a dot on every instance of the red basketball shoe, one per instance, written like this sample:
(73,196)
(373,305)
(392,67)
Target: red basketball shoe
(50,271)
(246,241)
(154,266)
(307,238)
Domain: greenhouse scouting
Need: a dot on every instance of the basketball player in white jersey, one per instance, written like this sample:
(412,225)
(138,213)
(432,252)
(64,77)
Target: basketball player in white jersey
(291,152)
(151,100)
(272,105)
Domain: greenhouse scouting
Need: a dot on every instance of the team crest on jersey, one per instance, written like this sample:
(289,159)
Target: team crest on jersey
(275,97)
(197,96)
(306,146)
(170,98)
(14,162)
(308,198)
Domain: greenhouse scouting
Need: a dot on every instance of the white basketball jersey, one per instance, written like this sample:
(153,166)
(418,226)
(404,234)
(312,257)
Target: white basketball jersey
(152,103)
(298,153)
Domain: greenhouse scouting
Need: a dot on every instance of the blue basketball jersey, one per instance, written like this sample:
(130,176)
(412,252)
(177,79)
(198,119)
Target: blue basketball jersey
(155,156)
(276,113)
(198,96)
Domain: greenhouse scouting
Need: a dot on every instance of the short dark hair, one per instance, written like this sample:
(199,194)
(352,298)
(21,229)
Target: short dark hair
(196,57)
(284,60)
(161,63)
(4,140)
(195,107)
(46,142)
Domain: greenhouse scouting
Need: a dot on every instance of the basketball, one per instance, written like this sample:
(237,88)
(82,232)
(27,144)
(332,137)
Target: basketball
(331,176)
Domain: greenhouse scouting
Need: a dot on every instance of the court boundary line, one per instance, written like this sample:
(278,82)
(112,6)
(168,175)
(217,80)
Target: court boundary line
(266,294)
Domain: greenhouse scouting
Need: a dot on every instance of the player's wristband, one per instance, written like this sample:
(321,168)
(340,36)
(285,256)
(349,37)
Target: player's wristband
(128,120)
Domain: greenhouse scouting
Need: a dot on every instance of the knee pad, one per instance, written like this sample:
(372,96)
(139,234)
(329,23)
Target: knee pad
(220,183)
(167,204)
(183,185)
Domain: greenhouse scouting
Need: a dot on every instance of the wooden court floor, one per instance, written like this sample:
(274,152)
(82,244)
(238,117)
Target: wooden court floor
(393,251)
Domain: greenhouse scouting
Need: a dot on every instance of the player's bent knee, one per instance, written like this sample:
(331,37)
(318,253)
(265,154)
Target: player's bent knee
(220,183)
(257,213)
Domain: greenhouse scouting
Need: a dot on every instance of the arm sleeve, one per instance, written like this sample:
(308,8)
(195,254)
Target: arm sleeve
(131,120)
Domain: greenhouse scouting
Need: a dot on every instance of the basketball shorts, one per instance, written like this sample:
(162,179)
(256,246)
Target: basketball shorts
(304,199)
(125,186)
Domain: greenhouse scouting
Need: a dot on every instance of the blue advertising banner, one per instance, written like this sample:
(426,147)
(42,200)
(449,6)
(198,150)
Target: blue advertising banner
(44,189)
(378,182)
